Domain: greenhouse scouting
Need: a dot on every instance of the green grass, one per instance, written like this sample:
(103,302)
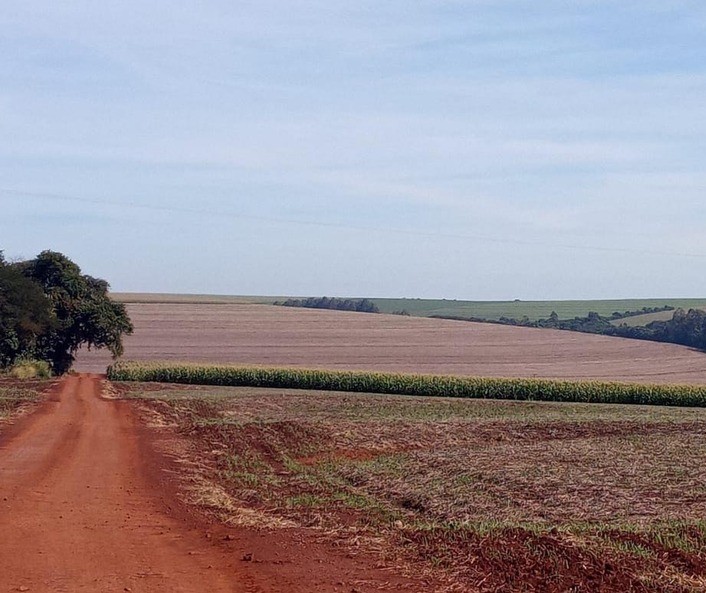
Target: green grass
(533,310)
(639,320)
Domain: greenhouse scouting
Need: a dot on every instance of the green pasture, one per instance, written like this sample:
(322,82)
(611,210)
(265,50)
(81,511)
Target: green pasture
(491,310)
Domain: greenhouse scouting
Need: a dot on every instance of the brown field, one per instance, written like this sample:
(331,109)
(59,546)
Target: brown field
(280,336)
(477,496)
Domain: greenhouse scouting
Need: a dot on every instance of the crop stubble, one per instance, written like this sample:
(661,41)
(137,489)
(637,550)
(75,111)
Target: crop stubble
(17,394)
(511,496)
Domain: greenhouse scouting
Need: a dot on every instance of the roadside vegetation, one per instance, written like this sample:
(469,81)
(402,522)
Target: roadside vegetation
(30,369)
(49,309)
(487,495)
(18,392)
(406,384)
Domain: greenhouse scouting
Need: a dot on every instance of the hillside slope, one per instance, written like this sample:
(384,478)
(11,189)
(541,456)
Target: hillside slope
(262,334)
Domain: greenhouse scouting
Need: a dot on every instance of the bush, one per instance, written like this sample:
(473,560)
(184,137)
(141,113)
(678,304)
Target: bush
(31,369)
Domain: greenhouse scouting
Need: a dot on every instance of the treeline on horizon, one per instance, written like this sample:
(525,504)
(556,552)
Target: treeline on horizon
(687,328)
(335,303)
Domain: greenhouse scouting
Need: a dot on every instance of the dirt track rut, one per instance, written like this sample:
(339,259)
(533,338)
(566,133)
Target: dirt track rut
(77,512)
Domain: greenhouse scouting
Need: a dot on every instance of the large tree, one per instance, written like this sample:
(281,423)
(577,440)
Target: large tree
(25,314)
(82,312)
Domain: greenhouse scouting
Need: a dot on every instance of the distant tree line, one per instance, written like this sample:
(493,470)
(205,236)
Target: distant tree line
(49,309)
(593,323)
(359,305)
(687,328)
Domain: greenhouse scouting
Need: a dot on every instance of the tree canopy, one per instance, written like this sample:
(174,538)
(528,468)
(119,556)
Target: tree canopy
(49,309)
(25,314)
(359,305)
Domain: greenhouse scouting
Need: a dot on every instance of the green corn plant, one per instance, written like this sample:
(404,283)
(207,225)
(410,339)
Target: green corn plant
(408,384)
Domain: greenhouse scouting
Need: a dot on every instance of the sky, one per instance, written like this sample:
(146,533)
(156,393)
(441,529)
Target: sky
(480,150)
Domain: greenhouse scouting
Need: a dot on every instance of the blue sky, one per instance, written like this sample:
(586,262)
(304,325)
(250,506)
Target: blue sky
(471,150)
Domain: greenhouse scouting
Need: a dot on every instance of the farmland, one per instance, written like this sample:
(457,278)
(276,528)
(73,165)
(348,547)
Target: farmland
(491,310)
(533,310)
(447,494)
(16,394)
(280,336)
(483,495)
(638,320)
(186,299)
(410,384)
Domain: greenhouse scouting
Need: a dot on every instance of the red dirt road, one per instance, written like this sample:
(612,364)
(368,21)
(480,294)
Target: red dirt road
(78,513)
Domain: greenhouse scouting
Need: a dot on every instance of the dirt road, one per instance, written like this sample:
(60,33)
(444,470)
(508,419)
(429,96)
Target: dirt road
(78,512)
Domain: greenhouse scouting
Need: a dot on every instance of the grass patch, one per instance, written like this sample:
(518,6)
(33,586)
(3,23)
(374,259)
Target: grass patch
(533,310)
(308,501)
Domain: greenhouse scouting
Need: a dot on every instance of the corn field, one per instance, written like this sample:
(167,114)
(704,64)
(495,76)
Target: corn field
(407,384)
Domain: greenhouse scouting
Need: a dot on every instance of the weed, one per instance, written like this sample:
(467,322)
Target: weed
(306,500)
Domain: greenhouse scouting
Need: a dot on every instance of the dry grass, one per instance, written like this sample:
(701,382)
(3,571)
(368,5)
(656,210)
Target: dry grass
(16,395)
(496,496)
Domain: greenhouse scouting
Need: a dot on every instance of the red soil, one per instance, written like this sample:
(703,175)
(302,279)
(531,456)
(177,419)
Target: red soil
(267,335)
(86,505)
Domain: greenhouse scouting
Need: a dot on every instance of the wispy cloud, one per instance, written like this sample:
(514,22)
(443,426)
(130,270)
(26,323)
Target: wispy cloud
(573,122)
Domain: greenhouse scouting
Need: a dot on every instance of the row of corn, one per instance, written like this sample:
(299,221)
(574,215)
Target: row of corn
(407,384)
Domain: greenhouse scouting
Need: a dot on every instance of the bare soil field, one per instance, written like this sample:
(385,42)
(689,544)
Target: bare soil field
(280,336)
(461,495)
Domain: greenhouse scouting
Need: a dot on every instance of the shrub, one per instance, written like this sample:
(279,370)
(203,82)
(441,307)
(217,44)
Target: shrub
(31,369)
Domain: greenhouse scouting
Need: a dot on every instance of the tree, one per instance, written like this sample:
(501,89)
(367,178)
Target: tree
(25,314)
(82,310)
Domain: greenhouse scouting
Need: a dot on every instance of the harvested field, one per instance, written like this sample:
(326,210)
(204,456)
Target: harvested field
(480,495)
(16,394)
(280,336)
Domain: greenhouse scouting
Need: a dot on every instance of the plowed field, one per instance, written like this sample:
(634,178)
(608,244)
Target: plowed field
(261,334)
